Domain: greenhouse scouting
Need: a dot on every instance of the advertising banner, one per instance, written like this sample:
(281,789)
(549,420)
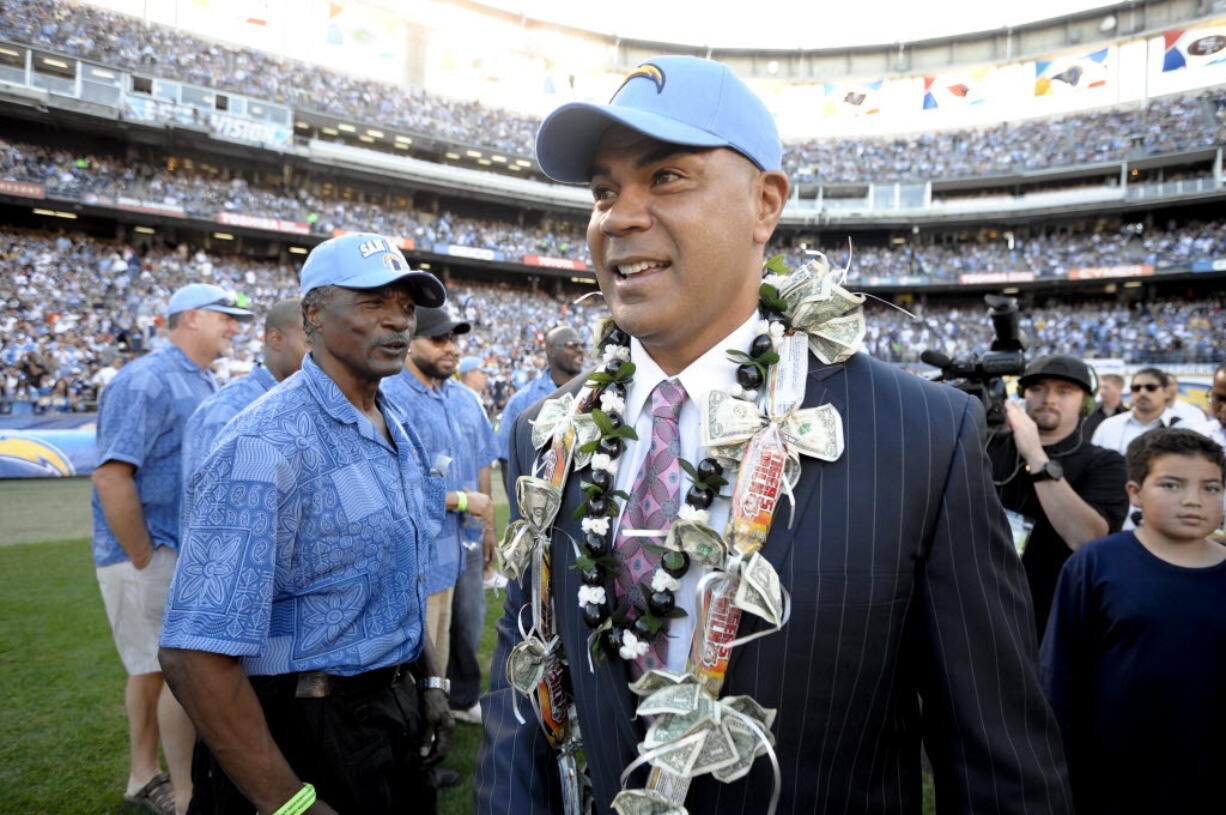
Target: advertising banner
(556,263)
(470,252)
(1218,265)
(151,207)
(405,244)
(1194,48)
(234,128)
(1077,73)
(1103,272)
(975,278)
(263,222)
(47,453)
(23,188)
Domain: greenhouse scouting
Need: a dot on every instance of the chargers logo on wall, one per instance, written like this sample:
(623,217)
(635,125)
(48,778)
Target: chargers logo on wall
(24,456)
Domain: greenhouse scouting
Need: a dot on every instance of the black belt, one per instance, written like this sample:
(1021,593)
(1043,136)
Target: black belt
(320,685)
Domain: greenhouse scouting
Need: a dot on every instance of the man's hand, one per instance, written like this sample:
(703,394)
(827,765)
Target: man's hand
(480,506)
(140,559)
(1025,435)
(489,547)
(438,726)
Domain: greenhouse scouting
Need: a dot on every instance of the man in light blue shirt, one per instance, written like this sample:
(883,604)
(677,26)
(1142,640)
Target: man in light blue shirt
(460,446)
(141,417)
(284,346)
(564,353)
(293,630)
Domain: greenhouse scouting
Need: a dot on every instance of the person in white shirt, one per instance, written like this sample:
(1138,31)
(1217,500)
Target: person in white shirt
(1217,406)
(1149,410)
(1190,415)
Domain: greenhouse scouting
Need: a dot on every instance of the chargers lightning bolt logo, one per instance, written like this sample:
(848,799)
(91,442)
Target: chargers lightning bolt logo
(647,70)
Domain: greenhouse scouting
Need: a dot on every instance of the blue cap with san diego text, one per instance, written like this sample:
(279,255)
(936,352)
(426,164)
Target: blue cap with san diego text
(679,100)
(365,261)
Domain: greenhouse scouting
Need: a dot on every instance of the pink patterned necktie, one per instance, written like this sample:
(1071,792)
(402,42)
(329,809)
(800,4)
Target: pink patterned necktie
(654,502)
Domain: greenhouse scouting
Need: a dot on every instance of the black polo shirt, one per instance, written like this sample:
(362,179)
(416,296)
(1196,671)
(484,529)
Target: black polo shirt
(1098,477)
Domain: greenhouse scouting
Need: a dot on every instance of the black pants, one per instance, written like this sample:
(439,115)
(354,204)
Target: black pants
(360,750)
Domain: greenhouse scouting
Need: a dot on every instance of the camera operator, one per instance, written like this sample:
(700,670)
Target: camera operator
(1060,490)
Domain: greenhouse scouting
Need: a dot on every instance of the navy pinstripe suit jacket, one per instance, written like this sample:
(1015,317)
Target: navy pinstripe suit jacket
(910,620)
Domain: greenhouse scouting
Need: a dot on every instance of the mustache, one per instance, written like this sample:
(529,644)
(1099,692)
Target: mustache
(388,339)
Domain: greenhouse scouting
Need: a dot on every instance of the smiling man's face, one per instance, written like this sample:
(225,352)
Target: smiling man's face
(677,237)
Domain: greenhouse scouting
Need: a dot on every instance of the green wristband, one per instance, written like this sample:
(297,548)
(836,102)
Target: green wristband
(461,502)
(300,803)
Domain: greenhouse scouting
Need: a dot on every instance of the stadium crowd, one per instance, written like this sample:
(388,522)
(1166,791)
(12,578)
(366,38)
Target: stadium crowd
(73,308)
(204,195)
(1163,125)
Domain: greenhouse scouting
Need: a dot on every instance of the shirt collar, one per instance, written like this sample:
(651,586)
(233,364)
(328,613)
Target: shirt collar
(711,371)
(263,376)
(1163,418)
(176,355)
(417,385)
(335,403)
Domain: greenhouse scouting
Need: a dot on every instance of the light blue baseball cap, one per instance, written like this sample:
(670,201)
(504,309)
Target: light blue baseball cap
(679,100)
(366,261)
(207,297)
(472,364)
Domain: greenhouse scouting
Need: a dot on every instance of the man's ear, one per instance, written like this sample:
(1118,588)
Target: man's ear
(274,339)
(771,193)
(1134,493)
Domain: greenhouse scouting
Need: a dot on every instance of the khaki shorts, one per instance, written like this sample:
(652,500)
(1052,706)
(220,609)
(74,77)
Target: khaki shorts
(135,601)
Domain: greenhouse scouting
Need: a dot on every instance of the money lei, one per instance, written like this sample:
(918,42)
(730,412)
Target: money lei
(763,434)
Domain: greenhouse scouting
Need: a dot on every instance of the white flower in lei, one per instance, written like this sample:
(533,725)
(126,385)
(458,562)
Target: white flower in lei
(632,647)
(663,581)
(603,461)
(692,513)
(613,353)
(592,594)
(612,403)
(596,525)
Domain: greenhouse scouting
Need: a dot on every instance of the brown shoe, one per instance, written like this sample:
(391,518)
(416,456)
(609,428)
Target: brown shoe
(157,796)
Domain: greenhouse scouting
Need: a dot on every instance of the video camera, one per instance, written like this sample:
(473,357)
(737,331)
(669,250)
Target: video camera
(981,376)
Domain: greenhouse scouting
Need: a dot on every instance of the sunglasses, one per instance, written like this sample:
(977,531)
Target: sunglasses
(443,339)
(569,346)
(1149,386)
(229,301)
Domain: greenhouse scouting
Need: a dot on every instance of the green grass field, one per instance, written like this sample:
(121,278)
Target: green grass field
(64,745)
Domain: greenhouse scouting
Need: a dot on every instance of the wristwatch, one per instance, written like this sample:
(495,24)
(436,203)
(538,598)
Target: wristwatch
(1051,471)
(435,683)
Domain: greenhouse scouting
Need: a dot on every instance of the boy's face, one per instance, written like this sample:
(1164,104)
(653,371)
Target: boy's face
(1181,498)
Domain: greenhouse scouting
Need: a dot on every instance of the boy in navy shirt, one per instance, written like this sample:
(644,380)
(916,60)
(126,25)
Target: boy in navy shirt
(1134,659)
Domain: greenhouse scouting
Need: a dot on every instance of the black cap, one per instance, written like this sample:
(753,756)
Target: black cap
(435,322)
(1058,366)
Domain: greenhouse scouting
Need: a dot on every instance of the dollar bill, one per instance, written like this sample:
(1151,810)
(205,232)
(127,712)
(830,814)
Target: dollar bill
(539,501)
(837,339)
(680,698)
(717,749)
(703,544)
(745,744)
(645,802)
(679,757)
(585,431)
(748,706)
(727,420)
(759,591)
(816,432)
(600,329)
(553,413)
(526,664)
(515,549)
(812,282)
(653,680)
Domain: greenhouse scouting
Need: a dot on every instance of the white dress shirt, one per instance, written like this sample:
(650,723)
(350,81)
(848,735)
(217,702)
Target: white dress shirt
(711,371)
(1117,432)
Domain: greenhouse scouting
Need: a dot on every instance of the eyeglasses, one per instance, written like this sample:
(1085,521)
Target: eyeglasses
(1149,386)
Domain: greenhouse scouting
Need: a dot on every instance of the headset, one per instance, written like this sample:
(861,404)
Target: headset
(1088,404)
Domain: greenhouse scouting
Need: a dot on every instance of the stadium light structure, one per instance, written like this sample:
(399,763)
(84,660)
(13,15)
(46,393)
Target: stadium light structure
(223,236)
(144,230)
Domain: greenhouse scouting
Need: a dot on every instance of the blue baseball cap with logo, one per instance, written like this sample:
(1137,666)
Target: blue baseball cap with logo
(365,261)
(207,297)
(679,100)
